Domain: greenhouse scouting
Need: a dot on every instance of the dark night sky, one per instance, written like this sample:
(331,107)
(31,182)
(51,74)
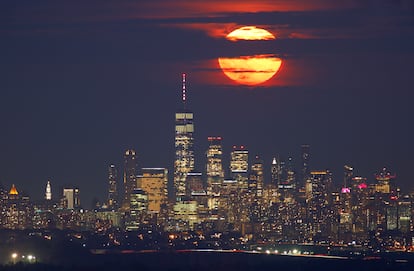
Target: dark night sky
(81,81)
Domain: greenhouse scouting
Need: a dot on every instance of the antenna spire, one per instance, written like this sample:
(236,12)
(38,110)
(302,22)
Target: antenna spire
(184,90)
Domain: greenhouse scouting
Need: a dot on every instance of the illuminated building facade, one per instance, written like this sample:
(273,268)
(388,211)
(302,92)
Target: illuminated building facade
(346,219)
(48,193)
(154,183)
(318,199)
(276,172)
(138,209)
(214,171)
(185,212)
(359,198)
(405,222)
(184,152)
(71,198)
(112,187)
(130,172)
(383,184)
(18,211)
(256,179)
(239,165)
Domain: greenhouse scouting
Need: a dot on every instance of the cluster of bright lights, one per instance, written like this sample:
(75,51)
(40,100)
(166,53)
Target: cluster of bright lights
(30,258)
(285,252)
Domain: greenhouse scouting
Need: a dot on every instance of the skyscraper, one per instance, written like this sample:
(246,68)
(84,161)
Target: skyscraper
(184,153)
(275,172)
(154,183)
(214,170)
(112,187)
(71,199)
(18,211)
(138,207)
(239,165)
(256,177)
(130,171)
(305,149)
(48,193)
(319,217)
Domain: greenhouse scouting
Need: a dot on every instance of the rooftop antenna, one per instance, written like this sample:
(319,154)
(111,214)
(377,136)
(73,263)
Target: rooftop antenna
(184,91)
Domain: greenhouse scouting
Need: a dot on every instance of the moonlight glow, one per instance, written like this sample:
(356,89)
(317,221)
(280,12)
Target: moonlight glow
(250,70)
(250,33)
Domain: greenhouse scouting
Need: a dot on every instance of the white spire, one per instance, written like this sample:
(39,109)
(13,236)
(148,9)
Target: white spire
(48,194)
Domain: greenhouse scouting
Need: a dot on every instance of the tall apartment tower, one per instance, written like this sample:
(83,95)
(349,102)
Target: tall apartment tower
(112,187)
(256,180)
(130,172)
(305,153)
(214,170)
(184,141)
(239,166)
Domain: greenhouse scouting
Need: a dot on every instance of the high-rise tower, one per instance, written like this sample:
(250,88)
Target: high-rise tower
(130,172)
(305,150)
(112,188)
(48,193)
(239,166)
(154,182)
(184,153)
(275,172)
(214,170)
(214,167)
(256,177)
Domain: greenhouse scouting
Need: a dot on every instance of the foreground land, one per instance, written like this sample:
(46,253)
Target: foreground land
(200,261)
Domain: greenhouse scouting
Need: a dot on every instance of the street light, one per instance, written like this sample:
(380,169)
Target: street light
(31,258)
(14,257)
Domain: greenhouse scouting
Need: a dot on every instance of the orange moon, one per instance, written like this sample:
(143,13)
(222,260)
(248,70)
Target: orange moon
(250,70)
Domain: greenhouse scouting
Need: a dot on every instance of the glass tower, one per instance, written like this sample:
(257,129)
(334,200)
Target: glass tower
(239,166)
(184,153)
(214,170)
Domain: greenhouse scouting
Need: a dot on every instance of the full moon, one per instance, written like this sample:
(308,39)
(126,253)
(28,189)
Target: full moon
(250,33)
(250,70)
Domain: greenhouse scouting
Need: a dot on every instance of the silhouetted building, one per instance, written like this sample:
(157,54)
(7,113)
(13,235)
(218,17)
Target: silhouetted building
(305,150)
(130,172)
(112,187)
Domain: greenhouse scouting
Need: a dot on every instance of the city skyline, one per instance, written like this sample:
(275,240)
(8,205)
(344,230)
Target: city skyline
(83,83)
